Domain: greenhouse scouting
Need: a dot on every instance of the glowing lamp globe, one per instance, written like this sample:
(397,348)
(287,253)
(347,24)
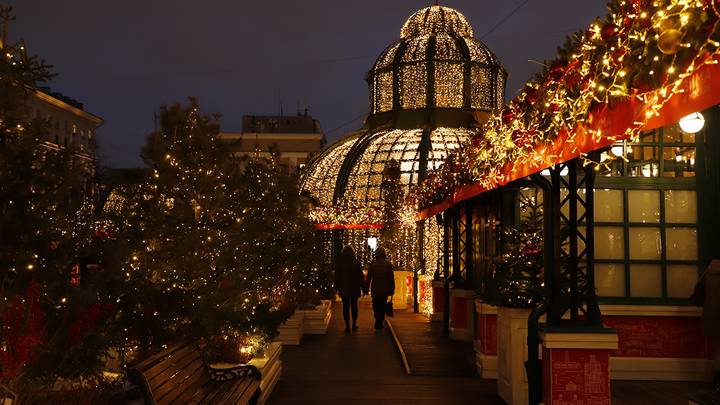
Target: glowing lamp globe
(372,243)
(692,123)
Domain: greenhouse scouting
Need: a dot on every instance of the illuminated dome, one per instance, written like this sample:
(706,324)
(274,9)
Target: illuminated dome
(430,92)
(436,63)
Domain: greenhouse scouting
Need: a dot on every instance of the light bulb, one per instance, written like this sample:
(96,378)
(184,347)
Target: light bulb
(692,123)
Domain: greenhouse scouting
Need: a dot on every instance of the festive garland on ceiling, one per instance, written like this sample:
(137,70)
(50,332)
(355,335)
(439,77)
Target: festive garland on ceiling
(353,215)
(643,49)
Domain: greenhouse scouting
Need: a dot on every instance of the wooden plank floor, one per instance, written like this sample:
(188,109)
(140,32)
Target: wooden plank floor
(654,392)
(429,351)
(365,367)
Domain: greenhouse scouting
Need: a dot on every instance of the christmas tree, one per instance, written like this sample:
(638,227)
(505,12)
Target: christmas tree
(49,318)
(517,276)
(218,244)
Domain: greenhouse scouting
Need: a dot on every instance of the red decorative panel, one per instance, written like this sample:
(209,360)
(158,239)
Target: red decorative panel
(486,331)
(576,377)
(459,316)
(438,300)
(659,336)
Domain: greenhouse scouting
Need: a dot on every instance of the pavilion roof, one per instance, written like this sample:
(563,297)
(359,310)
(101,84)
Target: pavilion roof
(645,66)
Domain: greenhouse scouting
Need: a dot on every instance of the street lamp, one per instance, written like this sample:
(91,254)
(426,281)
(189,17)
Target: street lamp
(372,242)
(692,123)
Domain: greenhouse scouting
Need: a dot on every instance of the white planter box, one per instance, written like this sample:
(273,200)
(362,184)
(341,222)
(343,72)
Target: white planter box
(270,368)
(316,321)
(401,290)
(512,353)
(291,331)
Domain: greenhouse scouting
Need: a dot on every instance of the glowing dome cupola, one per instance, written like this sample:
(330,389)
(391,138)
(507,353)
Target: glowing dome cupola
(430,92)
(436,63)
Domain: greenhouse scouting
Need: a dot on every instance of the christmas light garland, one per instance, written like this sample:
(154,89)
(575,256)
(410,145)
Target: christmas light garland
(643,51)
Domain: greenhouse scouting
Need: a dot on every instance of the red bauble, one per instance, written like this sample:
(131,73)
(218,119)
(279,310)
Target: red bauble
(553,107)
(508,116)
(531,95)
(618,56)
(477,140)
(572,79)
(557,70)
(586,81)
(609,32)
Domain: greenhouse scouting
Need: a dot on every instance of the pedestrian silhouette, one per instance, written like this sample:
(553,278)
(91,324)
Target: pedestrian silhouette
(349,284)
(381,281)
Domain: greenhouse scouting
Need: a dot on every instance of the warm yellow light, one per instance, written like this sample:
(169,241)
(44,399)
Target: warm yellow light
(692,123)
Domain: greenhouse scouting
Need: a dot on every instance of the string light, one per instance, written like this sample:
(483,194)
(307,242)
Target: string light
(592,70)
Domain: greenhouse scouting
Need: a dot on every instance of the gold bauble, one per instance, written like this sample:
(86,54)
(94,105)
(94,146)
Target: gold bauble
(669,41)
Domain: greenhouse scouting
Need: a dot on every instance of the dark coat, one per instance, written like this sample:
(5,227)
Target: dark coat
(349,281)
(380,278)
(711,307)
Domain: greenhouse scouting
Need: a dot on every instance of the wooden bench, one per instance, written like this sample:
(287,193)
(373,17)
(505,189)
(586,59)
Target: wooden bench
(177,375)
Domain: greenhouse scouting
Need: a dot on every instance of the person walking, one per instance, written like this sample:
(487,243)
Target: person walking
(707,295)
(349,284)
(381,281)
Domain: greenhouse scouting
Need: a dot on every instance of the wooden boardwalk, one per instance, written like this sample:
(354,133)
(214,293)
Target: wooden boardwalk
(366,367)
(428,351)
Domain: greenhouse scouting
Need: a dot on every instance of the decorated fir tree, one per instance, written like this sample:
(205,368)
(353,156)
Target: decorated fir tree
(49,317)
(218,244)
(517,275)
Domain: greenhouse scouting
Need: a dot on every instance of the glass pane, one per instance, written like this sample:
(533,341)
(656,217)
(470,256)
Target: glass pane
(648,137)
(681,243)
(680,206)
(645,280)
(679,162)
(645,243)
(610,279)
(644,206)
(673,134)
(642,161)
(681,280)
(609,242)
(530,201)
(608,205)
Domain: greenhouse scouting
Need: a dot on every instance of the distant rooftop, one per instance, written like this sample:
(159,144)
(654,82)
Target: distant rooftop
(302,123)
(63,98)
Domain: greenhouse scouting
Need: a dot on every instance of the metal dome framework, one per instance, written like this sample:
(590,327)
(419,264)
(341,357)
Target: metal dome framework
(436,63)
(429,93)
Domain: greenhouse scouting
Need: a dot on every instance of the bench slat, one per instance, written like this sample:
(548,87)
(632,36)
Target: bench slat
(175,383)
(178,375)
(168,363)
(200,394)
(147,363)
(243,387)
(193,384)
(219,390)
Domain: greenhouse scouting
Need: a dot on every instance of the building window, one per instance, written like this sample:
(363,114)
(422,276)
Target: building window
(646,242)
(665,152)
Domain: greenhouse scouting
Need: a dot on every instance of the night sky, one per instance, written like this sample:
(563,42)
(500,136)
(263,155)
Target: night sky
(124,59)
